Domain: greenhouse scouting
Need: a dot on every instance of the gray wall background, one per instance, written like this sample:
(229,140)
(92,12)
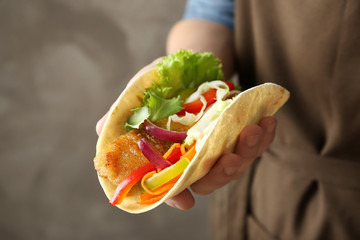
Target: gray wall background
(62,64)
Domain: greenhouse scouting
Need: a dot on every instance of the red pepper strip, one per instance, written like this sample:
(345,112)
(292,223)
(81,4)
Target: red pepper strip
(230,85)
(191,107)
(195,106)
(124,187)
(210,97)
(174,156)
(175,145)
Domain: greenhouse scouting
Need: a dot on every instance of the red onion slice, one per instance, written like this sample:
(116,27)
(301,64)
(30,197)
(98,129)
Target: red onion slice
(160,133)
(152,155)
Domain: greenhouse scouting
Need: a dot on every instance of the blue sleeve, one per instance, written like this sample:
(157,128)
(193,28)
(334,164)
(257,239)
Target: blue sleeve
(220,11)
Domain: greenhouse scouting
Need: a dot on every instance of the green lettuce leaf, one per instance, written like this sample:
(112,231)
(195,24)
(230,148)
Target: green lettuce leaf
(180,74)
(186,69)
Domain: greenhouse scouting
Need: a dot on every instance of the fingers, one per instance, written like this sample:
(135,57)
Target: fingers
(229,167)
(268,124)
(183,200)
(100,124)
(255,139)
(252,142)
(248,144)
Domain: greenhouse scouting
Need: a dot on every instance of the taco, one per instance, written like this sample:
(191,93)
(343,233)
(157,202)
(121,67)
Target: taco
(170,125)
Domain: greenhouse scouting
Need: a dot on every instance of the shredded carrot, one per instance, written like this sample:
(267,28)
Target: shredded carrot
(193,144)
(148,175)
(161,190)
(154,199)
(171,149)
(182,148)
(150,197)
(189,154)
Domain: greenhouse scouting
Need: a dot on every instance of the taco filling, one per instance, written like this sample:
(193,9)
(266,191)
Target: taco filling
(171,124)
(177,111)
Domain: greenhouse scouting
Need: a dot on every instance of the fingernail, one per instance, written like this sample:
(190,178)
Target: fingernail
(171,203)
(252,140)
(271,128)
(230,171)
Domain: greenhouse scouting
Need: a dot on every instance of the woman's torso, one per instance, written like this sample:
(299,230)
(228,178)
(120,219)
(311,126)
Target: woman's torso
(307,185)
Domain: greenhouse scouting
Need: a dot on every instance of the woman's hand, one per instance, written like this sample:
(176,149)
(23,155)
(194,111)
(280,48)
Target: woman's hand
(252,142)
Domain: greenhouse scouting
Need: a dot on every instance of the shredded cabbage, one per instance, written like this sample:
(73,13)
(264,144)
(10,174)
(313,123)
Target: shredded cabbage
(189,118)
(203,126)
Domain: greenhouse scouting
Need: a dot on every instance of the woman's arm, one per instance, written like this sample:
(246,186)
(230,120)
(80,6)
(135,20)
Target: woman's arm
(204,36)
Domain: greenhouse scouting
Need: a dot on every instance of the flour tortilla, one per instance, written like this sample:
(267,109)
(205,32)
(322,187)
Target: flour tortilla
(246,108)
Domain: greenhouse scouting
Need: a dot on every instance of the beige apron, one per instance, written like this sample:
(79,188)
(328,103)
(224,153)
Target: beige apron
(307,186)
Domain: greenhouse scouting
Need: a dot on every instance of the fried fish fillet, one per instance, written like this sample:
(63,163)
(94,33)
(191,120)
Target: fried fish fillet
(123,156)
